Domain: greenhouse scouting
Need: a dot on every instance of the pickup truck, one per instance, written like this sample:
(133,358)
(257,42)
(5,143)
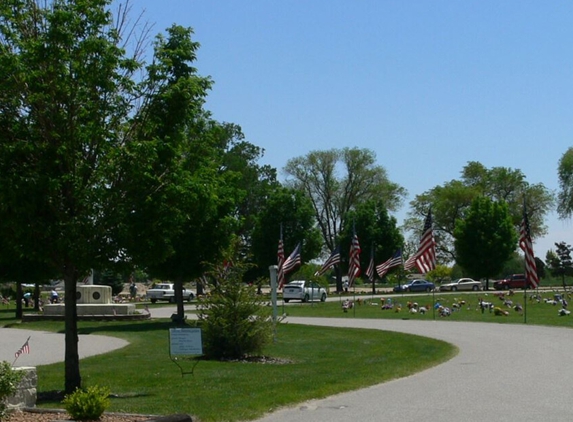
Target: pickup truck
(166,291)
(513,281)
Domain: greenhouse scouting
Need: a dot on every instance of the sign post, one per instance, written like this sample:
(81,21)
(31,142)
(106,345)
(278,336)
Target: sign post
(273,272)
(185,342)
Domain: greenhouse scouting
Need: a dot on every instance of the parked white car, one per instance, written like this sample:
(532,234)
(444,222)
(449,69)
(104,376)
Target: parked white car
(166,291)
(461,284)
(304,291)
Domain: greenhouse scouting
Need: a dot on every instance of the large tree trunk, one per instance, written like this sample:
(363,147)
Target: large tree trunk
(36,297)
(72,358)
(19,300)
(179,300)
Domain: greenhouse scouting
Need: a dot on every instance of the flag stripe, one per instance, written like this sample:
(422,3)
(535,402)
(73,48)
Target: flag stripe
(425,256)
(24,349)
(394,261)
(526,245)
(280,262)
(332,260)
(354,264)
(370,269)
(291,262)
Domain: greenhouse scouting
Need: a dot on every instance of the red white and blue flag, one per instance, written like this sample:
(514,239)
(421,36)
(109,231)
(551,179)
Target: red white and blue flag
(280,262)
(394,261)
(425,256)
(526,245)
(332,260)
(291,263)
(354,262)
(370,269)
(24,349)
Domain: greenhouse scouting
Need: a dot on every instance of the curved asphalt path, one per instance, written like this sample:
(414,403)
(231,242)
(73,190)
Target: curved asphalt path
(46,348)
(501,373)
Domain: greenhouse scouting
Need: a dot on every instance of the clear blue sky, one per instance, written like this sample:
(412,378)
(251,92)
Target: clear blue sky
(426,85)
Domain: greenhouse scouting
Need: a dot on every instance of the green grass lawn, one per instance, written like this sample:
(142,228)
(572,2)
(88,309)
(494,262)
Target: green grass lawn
(536,312)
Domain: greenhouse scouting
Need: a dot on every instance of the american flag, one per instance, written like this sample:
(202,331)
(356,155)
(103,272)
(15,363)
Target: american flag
(425,256)
(527,247)
(333,259)
(354,264)
(393,261)
(291,262)
(370,269)
(24,349)
(280,262)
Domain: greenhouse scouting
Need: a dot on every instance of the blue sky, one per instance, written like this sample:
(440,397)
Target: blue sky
(427,85)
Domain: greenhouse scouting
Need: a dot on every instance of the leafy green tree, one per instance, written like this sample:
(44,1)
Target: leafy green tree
(293,210)
(209,204)
(253,181)
(565,175)
(560,262)
(333,195)
(485,239)
(451,201)
(440,273)
(90,143)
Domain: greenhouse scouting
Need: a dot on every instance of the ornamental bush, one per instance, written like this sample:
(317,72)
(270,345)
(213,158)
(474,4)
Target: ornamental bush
(234,320)
(9,380)
(88,404)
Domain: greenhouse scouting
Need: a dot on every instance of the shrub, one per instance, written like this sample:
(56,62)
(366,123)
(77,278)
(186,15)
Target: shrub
(235,321)
(9,380)
(88,404)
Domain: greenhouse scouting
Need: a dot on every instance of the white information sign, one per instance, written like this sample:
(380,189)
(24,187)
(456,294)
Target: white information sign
(185,341)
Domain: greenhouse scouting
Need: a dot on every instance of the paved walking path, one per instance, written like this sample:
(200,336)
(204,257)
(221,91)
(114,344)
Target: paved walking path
(502,373)
(46,348)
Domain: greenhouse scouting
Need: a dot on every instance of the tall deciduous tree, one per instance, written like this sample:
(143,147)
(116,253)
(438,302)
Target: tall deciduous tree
(560,262)
(90,150)
(451,201)
(337,181)
(485,238)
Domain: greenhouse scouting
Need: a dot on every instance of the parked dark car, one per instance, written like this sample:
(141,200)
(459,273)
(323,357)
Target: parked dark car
(513,281)
(417,285)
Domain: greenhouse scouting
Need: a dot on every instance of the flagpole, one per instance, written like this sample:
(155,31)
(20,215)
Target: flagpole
(525,303)
(354,302)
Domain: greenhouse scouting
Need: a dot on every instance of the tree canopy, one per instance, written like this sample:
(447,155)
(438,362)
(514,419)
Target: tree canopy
(338,180)
(485,238)
(565,174)
(451,201)
(93,145)
(292,210)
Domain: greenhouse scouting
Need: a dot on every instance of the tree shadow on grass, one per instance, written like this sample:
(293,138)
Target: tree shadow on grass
(146,326)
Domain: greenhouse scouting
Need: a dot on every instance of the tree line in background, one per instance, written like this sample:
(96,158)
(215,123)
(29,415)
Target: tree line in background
(111,162)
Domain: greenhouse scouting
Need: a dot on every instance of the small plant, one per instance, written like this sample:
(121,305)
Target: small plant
(88,404)
(9,380)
